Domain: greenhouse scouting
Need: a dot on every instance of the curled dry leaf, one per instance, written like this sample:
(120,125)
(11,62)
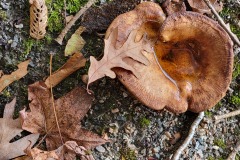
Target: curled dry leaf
(201,7)
(70,109)
(6,80)
(171,6)
(115,57)
(68,151)
(9,128)
(75,43)
(38,18)
(73,64)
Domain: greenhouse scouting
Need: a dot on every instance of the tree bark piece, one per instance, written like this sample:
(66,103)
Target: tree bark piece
(59,39)
(192,130)
(221,22)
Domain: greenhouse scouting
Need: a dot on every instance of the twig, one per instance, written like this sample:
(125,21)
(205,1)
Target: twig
(227,115)
(53,105)
(233,154)
(221,22)
(65,12)
(59,39)
(194,125)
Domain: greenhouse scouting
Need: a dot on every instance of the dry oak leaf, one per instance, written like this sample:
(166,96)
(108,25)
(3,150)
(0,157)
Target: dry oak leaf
(114,57)
(75,43)
(9,128)
(38,18)
(6,80)
(68,151)
(73,64)
(70,110)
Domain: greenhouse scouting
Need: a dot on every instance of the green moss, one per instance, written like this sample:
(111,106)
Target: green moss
(48,38)
(74,6)
(220,143)
(235,99)
(211,158)
(3,15)
(144,122)
(237,157)
(236,71)
(28,44)
(208,114)
(6,93)
(128,154)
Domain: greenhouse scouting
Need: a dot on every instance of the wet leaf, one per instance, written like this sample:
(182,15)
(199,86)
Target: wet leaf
(75,43)
(10,128)
(38,18)
(115,57)
(6,80)
(73,64)
(70,110)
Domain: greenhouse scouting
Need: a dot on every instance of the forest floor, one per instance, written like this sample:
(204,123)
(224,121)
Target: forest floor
(137,132)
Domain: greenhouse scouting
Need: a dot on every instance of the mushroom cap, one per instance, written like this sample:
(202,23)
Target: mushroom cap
(127,22)
(193,70)
(171,6)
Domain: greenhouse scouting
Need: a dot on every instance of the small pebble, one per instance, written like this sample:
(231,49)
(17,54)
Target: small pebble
(100,149)
(116,110)
(19,26)
(125,95)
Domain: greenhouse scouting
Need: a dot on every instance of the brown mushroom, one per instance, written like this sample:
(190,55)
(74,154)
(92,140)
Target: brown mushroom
(194,65)
(201,7)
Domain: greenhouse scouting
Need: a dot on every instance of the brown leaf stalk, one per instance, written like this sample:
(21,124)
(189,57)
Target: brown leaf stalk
(192,130)
(227,115)
(221,22)
(53,105)
(59,39)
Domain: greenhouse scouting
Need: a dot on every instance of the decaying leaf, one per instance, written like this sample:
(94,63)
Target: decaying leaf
(9,128)
(98,18)
(70,109)
(74,63)
(6,80)
(38,18)
(115,57)
(201,7)
(68,151)
(75,43)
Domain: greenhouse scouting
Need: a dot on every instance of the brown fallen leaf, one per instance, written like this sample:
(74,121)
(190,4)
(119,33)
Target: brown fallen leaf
(70,109)
(114,57)
(73,64)
(201,7)
(6,80)
(10,128)
(38,18)
(75,43)
(68,151)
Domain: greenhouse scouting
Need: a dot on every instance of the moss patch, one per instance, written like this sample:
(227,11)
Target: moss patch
(220,143)
(3,15)
(144,122)
(127,154)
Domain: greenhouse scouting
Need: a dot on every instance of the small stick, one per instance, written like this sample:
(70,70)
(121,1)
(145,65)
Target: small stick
(233,154)
(65,12)
(227,115)
(221,22)
(194,125)
(53,105)
(59,39)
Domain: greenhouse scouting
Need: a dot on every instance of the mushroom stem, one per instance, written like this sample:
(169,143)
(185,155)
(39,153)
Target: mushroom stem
(231,114)
(194,125)
(221,22)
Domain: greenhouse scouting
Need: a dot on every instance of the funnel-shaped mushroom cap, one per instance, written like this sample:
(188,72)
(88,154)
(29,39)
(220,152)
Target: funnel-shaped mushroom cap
(193,70)
(201,7)
(127,22)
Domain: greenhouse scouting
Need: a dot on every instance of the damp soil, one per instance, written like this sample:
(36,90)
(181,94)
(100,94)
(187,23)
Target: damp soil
(137,132)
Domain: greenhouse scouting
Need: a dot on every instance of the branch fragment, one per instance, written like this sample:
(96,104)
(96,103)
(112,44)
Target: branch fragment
(59,39)
(221,22)
(234,152)
(194,125)
(227,115)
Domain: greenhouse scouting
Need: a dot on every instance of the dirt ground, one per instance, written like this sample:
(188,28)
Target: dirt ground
(137,132)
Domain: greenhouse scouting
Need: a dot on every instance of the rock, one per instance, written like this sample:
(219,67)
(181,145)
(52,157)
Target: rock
(116,110)
(156,149)
(19,26)
(14,44)
(100,149)
(215,147)
(125,95)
